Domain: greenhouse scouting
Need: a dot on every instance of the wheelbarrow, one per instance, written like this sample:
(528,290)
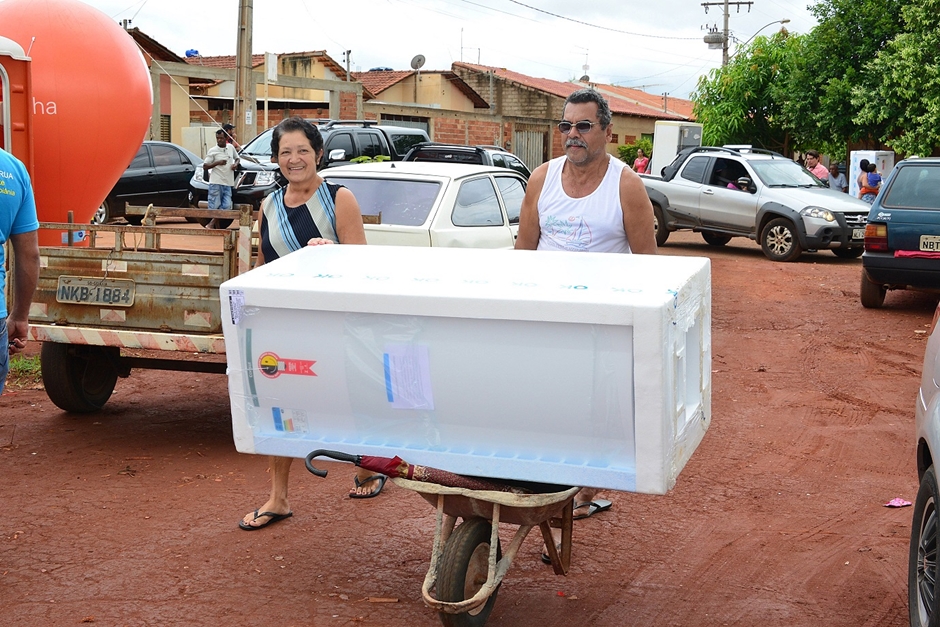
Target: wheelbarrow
(467,562)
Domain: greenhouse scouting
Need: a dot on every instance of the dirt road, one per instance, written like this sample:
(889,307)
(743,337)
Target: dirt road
(128,517)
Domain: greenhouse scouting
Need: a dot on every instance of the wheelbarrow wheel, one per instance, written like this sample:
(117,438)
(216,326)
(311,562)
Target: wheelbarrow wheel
(463,571)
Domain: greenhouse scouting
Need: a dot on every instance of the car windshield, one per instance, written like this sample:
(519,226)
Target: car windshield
(915,187)
(259,147)
(400,201)
(783,173)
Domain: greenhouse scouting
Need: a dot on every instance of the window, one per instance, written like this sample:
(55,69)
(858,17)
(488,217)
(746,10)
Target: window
(694,170)
(141,159)
(165,156)
(371,145)
(164,127)
(477,204)
(515,164)
(400,201)
(341,141)
(614,138)
(915,187)
(498,160)
(513,191)
(404,143)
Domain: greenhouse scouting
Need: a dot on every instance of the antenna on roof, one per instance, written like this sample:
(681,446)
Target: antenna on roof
(418,62)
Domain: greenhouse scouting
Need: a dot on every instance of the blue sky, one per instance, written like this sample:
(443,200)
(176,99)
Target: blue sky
(655,46)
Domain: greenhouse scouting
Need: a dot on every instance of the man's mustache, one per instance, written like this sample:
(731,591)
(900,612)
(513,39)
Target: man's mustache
(575,142)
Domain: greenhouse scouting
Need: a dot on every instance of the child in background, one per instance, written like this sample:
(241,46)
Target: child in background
(869,191)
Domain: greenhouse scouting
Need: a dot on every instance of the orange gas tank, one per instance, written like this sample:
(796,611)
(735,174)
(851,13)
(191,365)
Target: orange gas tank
(91,104)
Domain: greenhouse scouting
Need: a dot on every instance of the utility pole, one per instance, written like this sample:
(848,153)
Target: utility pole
(244,110)
(725,4)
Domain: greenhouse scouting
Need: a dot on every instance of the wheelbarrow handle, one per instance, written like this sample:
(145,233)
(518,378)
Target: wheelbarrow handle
(338,456)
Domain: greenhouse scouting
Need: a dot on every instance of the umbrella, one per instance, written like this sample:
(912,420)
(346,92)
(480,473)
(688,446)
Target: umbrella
(397,467)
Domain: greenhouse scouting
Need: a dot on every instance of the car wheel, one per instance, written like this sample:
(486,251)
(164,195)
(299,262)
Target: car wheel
(872,294)
(779,240)
(848,253)
(659,226)
(103,214)
(922,582)
(715,239)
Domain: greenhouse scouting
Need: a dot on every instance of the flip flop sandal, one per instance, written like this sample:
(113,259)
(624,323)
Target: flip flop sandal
(273,519)
(592,507)
(380,478)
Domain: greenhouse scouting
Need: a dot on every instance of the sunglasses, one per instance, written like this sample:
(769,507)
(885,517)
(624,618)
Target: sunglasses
(583,126)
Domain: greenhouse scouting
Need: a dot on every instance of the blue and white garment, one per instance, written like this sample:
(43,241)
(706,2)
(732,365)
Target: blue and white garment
(286,229)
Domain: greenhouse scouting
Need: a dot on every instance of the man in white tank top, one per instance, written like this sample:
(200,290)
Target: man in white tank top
(586,201)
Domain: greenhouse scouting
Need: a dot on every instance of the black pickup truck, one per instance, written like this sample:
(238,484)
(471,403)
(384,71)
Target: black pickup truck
(343,141)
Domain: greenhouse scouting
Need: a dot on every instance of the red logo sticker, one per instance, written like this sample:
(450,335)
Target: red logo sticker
(273,366)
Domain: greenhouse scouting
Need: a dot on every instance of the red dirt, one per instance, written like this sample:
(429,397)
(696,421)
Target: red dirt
(128,516)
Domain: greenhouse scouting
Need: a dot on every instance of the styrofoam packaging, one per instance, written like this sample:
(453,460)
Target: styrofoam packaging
(570,368)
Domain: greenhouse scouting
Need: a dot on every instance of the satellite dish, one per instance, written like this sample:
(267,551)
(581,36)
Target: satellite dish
(585,79)
(418,62)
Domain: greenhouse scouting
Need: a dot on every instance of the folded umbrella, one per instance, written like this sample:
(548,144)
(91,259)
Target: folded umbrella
(397,467)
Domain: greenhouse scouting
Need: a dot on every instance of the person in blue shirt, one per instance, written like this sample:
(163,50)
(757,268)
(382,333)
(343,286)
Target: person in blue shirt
(19,225)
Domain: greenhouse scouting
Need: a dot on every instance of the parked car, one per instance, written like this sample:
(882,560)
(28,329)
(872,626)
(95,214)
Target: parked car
(457,153)
(922,572)
(159,174)
(902,239)
(343,141)
(436,204)
(725,192)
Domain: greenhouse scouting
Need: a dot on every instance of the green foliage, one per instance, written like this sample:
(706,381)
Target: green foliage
(24,371)
(817,96)
(735,103)
(627,152)
(900,95)
(366,159)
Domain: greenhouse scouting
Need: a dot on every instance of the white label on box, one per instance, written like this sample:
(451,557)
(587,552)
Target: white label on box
(408,376)
(236,303)
(289,420)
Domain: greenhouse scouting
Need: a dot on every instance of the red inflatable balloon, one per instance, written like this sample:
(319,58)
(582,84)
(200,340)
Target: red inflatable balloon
(92,102)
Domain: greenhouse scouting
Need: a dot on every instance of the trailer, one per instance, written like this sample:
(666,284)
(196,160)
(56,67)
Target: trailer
(133,297)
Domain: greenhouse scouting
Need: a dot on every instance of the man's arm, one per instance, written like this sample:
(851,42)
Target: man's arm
(637,213)
(529,230)
(25,277)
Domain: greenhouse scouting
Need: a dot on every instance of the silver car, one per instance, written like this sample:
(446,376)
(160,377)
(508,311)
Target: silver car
(923,578)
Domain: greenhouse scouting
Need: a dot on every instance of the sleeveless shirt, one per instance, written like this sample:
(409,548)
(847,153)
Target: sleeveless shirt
(590,224)
(286,229)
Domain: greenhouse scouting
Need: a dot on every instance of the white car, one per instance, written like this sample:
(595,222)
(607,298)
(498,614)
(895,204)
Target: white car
(923,579)
(435,204)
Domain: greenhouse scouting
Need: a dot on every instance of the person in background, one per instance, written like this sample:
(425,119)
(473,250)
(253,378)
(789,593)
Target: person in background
(814,166)
(872,183)
(837,180)
(220,162)
(230,136)
(19,225)
(307,212)
(586,201)
(641,164)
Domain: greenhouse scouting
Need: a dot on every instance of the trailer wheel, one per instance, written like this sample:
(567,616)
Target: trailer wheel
(462,572)
(78,379)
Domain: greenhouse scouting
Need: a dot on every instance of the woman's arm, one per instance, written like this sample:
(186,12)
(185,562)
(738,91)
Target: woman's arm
(349,227)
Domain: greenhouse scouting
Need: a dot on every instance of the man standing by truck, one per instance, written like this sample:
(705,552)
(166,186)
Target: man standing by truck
(19,224)
(220,163)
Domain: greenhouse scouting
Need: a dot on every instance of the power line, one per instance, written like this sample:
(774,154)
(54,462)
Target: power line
(614,30)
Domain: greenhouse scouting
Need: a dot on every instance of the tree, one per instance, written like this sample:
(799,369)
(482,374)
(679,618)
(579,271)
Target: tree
(901,90)
(816,96)
(735,103)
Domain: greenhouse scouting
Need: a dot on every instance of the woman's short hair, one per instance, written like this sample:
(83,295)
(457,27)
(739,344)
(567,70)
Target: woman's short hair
(590,95)
(295,124)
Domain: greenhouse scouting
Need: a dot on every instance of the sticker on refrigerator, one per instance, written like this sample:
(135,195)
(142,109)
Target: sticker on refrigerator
(236,304)
(289,420)
(273,366)
(408,377)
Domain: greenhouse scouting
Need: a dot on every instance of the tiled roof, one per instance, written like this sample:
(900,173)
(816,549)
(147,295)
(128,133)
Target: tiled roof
(377,81)
(257,60)
(152,47)
(618,104)
(679,106)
